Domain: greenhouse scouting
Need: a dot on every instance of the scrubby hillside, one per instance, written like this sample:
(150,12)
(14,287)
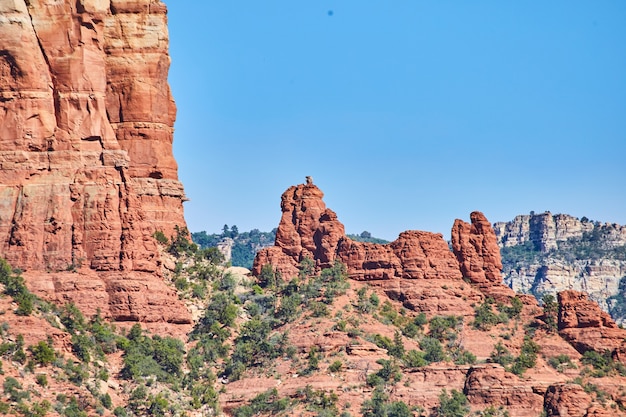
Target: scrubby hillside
(317,343)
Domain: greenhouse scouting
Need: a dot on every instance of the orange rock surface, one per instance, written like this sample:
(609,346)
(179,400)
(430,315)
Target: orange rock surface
(476,248)
(587,327)
(87,173)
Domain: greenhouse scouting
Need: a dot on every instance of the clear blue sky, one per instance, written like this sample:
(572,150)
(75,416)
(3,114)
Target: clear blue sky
(406,113)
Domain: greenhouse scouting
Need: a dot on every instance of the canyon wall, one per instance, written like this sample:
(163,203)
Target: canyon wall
(87,173)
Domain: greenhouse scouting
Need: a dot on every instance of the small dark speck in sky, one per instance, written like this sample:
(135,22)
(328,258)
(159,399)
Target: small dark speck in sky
(330,13)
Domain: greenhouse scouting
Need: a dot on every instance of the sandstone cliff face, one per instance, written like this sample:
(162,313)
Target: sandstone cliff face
(86,166)
(544,230)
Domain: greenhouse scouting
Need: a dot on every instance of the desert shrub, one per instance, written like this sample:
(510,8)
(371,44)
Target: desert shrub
(382,341)
(561,362)
(397,347)
(120,412)
(42,380)
(433,350)
(443,328)
(289,308)
(485,318)
(463,357)
(13,389)
(325,404)
(158,356)
(388,374)
(180,244)
(264,403)
(365,304)
(527,358)
(43,353)
(268,278)
(335,366)
(453,405)
(513,310)
(501,355)
(415,359)
(550,312)
(160,237)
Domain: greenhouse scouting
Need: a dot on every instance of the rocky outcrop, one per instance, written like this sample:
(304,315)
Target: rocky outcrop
(478,254)
(586,326)
(86,166)
(566,400)
(308,229)
(491,385)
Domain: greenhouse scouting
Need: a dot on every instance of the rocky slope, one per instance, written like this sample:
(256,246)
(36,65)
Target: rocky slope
(87,173)
(420,274)
(545,254)
(417,331)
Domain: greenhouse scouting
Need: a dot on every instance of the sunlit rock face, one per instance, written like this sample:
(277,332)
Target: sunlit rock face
(87,173)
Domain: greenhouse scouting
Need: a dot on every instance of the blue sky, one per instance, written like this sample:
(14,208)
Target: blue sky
(407,114)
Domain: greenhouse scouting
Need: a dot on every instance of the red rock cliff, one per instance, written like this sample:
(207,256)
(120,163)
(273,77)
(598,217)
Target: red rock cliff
(86,166)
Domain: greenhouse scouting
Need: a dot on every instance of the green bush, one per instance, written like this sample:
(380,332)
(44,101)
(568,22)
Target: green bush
(444,328)
(433,350)
(453,405)
(527,358)
(501,355)
(561,362)
(43,353)
(160,237)
(264,403)
(335,366)
(485,318)
(415,359)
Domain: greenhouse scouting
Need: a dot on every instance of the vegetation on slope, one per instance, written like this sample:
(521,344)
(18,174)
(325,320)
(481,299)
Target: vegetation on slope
(254,328)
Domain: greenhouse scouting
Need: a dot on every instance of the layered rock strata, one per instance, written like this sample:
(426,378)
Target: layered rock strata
(583,324)
(86,166)
(561,252)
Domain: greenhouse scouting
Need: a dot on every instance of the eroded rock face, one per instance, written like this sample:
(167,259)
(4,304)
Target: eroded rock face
(86,121)
(491,385)
(586,326)
(566,400)
(308,229)
(477,251)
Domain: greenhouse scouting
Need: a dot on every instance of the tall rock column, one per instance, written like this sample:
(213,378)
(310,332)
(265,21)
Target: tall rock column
(476,248)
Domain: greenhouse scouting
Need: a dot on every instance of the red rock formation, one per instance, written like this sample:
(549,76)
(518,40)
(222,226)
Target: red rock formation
(476,248)
(308,229)
(491,385)
(587,327)
(86,118)
(566,400)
